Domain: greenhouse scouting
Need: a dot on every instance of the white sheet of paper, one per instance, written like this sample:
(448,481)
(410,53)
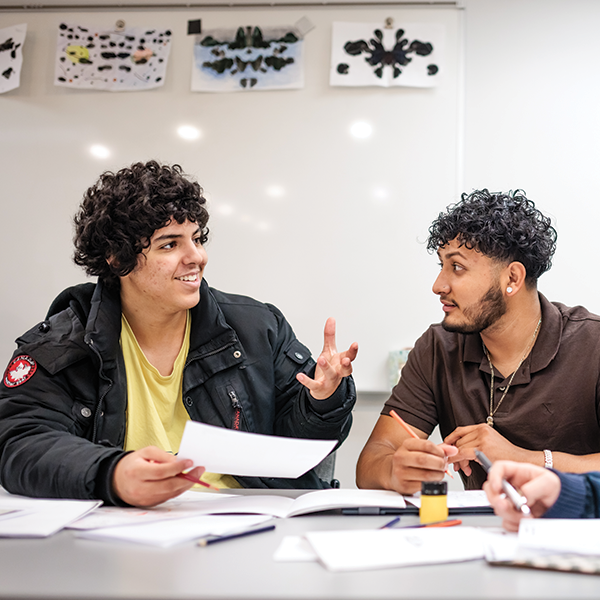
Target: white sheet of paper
(500,545)
(188,504)
(40,517)
(169,533)
(384,548)
(458,499)
(222,450)
(581,536)
(351,69)
(294,548)
(11,56)
(95,58)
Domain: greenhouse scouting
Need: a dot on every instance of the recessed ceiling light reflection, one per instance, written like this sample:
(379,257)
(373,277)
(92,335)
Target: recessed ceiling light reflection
(99,151)
(361,130)
(224,210)
(380,195)
(263,226)
(275,191)
(188,132)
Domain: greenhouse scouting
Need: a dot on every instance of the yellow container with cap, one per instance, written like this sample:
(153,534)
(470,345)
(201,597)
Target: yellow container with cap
(434,505)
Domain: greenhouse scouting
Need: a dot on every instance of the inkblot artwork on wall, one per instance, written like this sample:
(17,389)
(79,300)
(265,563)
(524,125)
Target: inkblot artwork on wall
(11,56)
(101,59)
(248,58)
(365,54)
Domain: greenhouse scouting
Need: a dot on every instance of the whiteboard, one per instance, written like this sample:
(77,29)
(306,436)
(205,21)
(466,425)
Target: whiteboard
(303,215)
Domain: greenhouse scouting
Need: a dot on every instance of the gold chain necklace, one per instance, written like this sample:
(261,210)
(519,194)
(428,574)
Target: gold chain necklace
(490,419)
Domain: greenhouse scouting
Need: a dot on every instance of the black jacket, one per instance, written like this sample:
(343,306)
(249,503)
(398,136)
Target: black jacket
(62,430)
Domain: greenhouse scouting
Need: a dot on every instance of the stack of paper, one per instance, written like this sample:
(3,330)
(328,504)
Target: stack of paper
(169,533)
(33,517)
(571,545)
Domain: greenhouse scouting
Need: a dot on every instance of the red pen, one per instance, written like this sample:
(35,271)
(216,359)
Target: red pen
(198,481)
(449,523)
(409,430)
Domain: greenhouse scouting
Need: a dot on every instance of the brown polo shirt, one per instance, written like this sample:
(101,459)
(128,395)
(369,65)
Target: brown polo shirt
(552,402)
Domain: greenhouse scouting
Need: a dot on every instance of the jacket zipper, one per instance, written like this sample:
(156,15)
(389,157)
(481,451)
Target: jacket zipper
(237,409)
(90,343)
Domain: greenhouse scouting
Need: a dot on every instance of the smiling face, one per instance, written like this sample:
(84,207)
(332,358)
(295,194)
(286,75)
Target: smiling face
(168,275)
(469,288)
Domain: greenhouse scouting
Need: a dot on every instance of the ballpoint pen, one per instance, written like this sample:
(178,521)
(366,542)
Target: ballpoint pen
(447,523)
(232,536)
(519,501)
(391,523)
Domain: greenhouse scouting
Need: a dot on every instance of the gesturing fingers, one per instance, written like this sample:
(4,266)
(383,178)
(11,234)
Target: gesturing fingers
(329,346)
(347,357)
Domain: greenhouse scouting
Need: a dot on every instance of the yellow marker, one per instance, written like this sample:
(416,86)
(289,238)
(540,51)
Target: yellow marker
(434,506)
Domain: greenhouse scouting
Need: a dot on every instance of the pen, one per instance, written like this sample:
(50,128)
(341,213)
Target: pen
(519,501)
(222,538)
(198,481)
(410,432)
(447,523)
(391,523)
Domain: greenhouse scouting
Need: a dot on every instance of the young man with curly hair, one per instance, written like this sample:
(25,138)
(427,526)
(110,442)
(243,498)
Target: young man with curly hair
(95,399)
(506,372)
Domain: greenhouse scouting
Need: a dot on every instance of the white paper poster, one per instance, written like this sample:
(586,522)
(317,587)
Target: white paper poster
(248,58)
(101,59)
(365,54)
(11,56)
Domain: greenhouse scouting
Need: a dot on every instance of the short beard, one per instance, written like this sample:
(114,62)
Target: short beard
(489,309)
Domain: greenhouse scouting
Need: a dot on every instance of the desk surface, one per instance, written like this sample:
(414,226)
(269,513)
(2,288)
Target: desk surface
(67,568)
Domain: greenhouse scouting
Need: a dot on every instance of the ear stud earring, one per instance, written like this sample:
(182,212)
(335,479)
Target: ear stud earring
(509,290)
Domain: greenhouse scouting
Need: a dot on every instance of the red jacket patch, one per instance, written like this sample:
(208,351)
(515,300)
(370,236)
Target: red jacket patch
(19,370)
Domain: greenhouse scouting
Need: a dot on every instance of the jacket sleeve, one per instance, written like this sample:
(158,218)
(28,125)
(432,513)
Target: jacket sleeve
(579,497)
(298,414)
(46,425)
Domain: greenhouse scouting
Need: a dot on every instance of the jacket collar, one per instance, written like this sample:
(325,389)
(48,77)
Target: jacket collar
(103,326)
(210,331)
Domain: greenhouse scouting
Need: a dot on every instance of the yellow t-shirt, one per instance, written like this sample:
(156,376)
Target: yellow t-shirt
(156,415)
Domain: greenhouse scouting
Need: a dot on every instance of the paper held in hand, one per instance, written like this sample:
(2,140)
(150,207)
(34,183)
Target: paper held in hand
(222,450)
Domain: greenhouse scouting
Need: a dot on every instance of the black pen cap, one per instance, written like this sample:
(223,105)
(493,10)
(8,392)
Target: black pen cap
(434,488)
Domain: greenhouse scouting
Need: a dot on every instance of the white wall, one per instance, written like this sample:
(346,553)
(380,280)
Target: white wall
(532,116)
(531,102)
(332,245)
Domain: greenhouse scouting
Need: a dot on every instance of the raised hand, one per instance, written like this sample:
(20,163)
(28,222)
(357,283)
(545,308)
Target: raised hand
(332,366)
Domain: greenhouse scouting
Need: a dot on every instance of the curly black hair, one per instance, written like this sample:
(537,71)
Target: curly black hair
(121,211)
(505,227)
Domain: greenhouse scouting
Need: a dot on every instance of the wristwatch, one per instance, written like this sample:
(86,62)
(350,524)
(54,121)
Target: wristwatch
(548,462)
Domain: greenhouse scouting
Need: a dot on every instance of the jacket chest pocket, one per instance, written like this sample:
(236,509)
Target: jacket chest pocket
(296,358)
(223,401)
(236,407)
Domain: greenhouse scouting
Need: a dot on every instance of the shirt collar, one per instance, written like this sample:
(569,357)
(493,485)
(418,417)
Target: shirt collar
(545,348)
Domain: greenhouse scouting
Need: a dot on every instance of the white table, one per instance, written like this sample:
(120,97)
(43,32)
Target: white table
(67,568)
